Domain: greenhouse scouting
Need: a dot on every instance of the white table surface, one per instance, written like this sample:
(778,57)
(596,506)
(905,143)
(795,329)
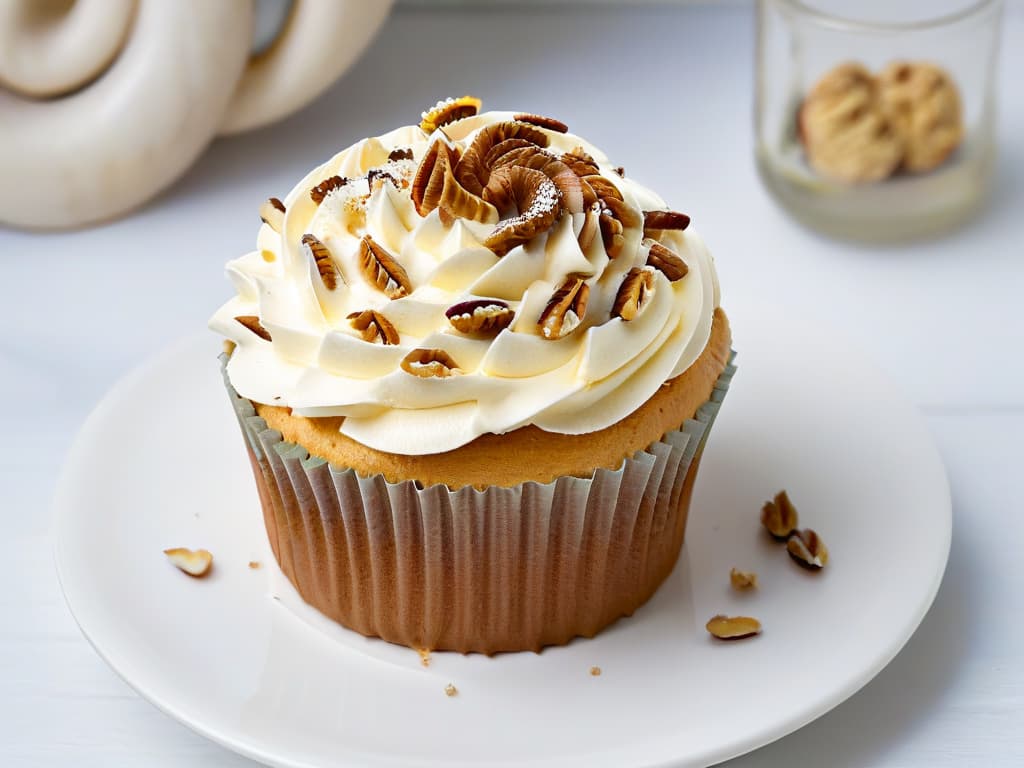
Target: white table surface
(668,92)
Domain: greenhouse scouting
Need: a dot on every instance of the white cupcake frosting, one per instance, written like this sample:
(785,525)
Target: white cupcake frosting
(318,364)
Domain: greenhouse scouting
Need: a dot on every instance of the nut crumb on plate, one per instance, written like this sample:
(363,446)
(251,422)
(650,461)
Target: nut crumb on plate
(595,671)
(195,563)
(450,690)
(779,516)
(424,656)
(733,627)
(807,549)
(254,564)
(742,580)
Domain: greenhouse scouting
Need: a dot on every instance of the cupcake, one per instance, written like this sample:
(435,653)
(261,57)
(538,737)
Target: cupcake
(475,365)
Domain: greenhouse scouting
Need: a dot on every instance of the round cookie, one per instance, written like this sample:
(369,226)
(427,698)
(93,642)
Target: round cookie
(924,106)
(847,134)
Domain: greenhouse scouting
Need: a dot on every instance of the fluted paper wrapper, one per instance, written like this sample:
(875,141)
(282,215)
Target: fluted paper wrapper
(502,569)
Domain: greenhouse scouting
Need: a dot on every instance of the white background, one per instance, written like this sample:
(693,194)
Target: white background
(667,92)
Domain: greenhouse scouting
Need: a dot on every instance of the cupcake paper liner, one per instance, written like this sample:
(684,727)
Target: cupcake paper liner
(500,569)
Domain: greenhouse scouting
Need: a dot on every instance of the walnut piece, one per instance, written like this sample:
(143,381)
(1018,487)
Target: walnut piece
(195,563)
(480,316)
(565,310)
(733,627)
(252,322)
(779,516)
(807,549)
(742,580)
(373,326)
(382,270)
(430,363)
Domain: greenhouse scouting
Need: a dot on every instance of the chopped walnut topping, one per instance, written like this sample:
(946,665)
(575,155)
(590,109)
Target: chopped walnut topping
(381,269)
(742,580)
(807,549)
(373,326)
(566,308)
(779,516)
(667,262)
(400,154)
(633,294)
(430,363)
(324,263)
(733,627)
(480,316)
(325,187)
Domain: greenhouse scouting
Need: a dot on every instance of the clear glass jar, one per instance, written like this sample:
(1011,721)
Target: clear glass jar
(799,41)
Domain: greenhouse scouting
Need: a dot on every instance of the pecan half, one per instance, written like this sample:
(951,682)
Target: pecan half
(324,263)
(380,268)
(502,148)
(325,187)
(272,213)
(373,326)
(252,322)
(667,262)
(428,182)
(633,294)
(779,516)
(733,627)
(543,122)
(532,194)
(656,221)
(480,316)
(449,111)
(472,171)
(742,580)
(429,363)
(807,549)
(611,233)
(566,308)
(622,211)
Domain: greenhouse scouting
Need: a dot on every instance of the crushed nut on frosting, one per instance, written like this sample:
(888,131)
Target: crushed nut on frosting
(373,327)
(807,549)
(272,213)
(742,580)
(565,310)
(733,627)
(480,316)
(252,322)
(195,562)
(325,187)
(779,516)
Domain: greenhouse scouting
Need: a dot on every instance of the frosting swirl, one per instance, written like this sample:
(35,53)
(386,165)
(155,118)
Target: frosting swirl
(440,325)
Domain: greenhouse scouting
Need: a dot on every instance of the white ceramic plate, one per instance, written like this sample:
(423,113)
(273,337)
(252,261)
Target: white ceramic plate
(239,657)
